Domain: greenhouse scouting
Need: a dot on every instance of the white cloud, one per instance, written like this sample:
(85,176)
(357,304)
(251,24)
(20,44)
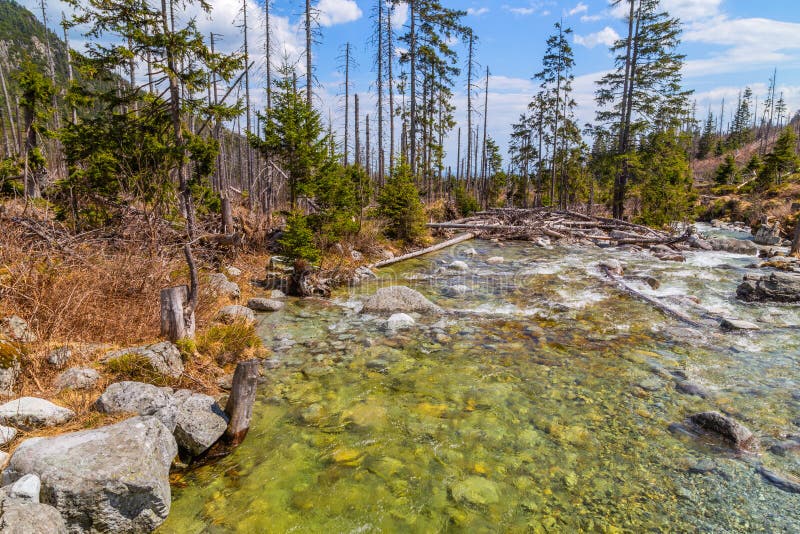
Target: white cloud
(691,10)
(580,8)
(524,11)
(332,12)
(400,15)
(607,36)
(477,12)
(592,18)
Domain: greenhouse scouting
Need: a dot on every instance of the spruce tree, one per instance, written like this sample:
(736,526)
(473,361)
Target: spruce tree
(781,161)
(707,137)
(399,204)
(37,93)
(727,171)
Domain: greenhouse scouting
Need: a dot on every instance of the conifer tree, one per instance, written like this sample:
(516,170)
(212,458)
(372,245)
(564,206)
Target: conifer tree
(727,171)
(37,92)
(781,161)
(400,205)
(707,137)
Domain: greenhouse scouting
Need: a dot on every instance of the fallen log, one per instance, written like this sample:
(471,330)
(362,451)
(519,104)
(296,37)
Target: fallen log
(439,246)
(672,312)
(461,226)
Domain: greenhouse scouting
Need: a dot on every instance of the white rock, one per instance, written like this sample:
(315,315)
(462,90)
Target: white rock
(395,299)
(27,487)
(469,252)
(7,433)
(219,284)
(233,271)
(494,260)
(16,329)
(21,516)
(31,412)
(4,456)
(60,356)
(77,378)
(265,305)
(459,265)
(457,290)
(399,321)
(737,324)
(277,294)
(613,266)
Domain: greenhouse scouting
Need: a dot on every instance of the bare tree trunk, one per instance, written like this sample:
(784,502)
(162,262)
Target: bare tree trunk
(469,112)
(390,81)
(484,172)
(458,156)
(795,248)
(346,101)
(357,157)
(74,112)
(412,4)
(14,130)
(309,71)
(380,93)
(268,52)
(367,158)
(174,324)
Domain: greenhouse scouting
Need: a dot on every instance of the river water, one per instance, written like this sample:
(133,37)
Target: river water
(541,405)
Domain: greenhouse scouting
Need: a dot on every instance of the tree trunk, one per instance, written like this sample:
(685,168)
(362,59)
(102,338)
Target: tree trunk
(227,216)
(357,157)
(379,88)
(390,81)
(469,114)
(14,131)
(309,72)
(239,407)
(413,89)
(346,101)
(175,323)
(795,248)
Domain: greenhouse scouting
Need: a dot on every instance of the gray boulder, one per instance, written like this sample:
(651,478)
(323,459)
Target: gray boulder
(613,266)
(277,294)
(141,399)
(59,357)
(32,412)
(459,265)
(219,285)
(16,329)
(395,299)
(21,516)
(200,422)
(265,305)
(734,246)
(109,479)
(27,487)
(768,234)
(772,287)
(737,324)
(495,260)
(77,378)
(699,243)
(726,428)
(164,357)
(235,312)
(399,321)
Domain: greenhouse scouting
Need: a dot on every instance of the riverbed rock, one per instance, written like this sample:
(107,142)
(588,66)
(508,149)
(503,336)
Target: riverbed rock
(396,299)
(458,265)
(784,482)
(77,378)
(768,234)
(737,324)
(59,357)
(265,305)
(200,422)
(495,260)
(457,290)
(31,412)
(27,488)
(141,399)
(16,328)
(613,266)
(235,312)
(109,479)
(219,285)
(22,516)
(727,428)
(164,357)
(771,287)
(699,243)
(363,273)
(277,294)
(734,246)
(691,388)
(399,321)
(475,490)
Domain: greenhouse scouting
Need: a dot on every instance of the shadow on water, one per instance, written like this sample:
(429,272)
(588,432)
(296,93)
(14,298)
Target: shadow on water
(543,406)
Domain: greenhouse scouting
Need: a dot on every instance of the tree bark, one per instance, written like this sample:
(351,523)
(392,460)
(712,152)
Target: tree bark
(413,89)
(795,248)
(309,72)
(175,324)
(390,81)
(239,407)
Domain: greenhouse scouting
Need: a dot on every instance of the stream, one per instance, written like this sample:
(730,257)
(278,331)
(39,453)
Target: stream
(542,405)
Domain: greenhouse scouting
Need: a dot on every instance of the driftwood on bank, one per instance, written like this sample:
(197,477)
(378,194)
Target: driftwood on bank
(434,248)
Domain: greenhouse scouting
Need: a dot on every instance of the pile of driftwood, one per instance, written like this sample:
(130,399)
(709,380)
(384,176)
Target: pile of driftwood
(530,224)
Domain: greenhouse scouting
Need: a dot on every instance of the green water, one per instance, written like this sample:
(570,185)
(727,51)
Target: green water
(542,406)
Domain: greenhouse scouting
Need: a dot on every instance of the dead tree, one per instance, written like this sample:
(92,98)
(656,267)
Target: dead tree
(239,407)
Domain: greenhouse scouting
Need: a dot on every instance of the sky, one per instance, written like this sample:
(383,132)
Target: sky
(729,44)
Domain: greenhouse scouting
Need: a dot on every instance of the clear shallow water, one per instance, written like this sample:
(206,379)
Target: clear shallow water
(543,405)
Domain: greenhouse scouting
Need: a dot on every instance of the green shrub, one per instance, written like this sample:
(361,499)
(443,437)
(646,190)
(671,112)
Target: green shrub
(400,205)
(297,241)
(465,202)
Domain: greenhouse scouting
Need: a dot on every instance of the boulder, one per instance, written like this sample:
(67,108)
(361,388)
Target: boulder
(7,434)
(737,324)
(231,314)
(399,321)
(9,366)
(200,422)
(141,399)
(360,274)
(726,428)
(108,479)
(458,265)
(27,487)
(16,329)
(734,246)
(21,516)
(164,357)
(59,357)
(699,243)
(469,252)
(265,305)
(772,287)
(768,234)
(278,294)
(691,388)
(77,378)
(220,286)
(32,412)
(395,299)
(457,290)
(613,266)
(495,260)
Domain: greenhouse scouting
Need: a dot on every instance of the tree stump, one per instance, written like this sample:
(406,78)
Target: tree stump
(175,324)
(239,407)
(227,216)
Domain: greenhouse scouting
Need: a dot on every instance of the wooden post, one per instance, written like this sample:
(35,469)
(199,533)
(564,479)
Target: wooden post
(239,407)
(175,324)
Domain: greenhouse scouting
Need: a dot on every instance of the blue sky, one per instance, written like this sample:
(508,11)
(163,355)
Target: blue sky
(729,44)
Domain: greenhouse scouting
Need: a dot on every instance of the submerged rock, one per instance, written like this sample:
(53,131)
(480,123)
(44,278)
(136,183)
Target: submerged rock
(737,324)
(109,479)
(727,428)
(734,246)
(495,260)
(164,357)
(399,299)
(613,266)
(783,482)
(459,265)
(772,287)
(32,412)
(475,490)
(399,321)
(690,388)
